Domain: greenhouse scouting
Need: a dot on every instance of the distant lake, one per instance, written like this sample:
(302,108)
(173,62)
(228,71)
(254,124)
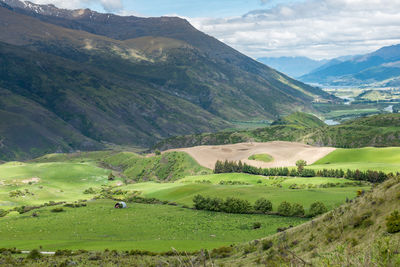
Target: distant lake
(331,122)
(389,109)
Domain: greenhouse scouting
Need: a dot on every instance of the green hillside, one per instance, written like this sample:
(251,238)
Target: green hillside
(166,167)
(276,190)
(369,158)
(300,119)
(354,234)
(379,130)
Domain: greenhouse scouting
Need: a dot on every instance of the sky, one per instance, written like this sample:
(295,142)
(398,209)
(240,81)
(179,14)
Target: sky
(270,28)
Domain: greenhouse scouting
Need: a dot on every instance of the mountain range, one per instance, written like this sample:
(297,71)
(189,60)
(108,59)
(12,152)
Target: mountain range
(293,66)
(78,80)
(379,68)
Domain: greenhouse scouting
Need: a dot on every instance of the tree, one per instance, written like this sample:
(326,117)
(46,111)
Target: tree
(300,165)
(297,210)
(317,208)
(199,202)
(157,152)
(236,205)
(285,209)
(263,205)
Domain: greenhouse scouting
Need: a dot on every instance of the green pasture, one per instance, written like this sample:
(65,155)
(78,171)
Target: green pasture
(274,189)
(141,226)
(370,158)
(58,181)
(262,157)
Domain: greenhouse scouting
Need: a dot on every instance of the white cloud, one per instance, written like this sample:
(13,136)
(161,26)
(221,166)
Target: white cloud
(315,28)
(108,5)
(112,5)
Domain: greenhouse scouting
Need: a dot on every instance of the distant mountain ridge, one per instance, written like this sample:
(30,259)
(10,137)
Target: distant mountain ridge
(77,79)
(292,66)
(379,67)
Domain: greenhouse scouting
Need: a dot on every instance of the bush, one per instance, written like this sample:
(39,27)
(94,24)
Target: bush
(59,209)
(393,222)
(317,208)
(293,186)
(297,210)
(285,209)
(266,244)
(230,205)
(263,205)
(236,205)
(89,191)
(34,255)
(256,225)
(157,152)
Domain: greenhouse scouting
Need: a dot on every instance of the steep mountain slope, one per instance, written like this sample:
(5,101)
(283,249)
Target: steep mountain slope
(378,66)
(156,79)
(292,66)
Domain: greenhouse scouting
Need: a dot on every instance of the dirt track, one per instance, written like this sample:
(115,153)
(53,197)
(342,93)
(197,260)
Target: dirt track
(285,154)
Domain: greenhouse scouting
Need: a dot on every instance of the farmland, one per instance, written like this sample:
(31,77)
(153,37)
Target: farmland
(173,178)
(369,158)
(141,226)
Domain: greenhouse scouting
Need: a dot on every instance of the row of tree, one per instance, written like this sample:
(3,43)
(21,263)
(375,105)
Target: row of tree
(369,176)
(262,205)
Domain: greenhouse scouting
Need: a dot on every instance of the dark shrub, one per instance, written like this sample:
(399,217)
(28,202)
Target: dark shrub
(256,225)
(236,205)
(297,210)
(157,152)
(263,205)
(317,208)
(393,222)
(266,244)
(59,209)
(214,204)
(221,252)
(199,202)
(285,209)
(34,255)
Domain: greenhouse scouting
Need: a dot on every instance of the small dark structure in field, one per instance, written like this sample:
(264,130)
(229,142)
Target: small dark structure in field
(120,205)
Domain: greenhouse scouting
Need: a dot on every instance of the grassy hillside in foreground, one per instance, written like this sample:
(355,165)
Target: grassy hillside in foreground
(378,130)
(141,226)
(380,159)
(354,234)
